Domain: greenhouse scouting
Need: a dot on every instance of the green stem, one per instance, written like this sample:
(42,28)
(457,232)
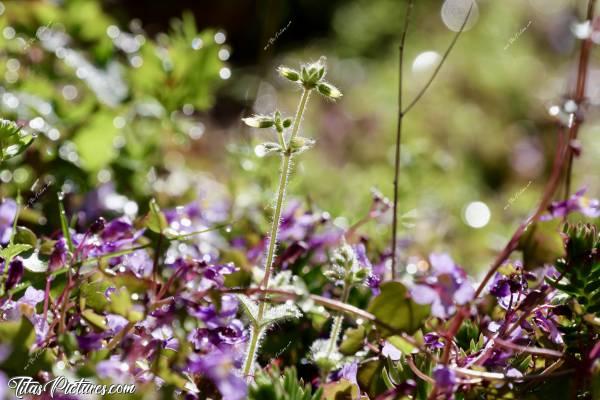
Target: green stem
(337,322)
(252,349)
(283,181)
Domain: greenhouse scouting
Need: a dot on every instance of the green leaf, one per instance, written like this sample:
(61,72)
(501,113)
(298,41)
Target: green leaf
(542,244)
(12,140)
(401,344)
(156,220)
(64,224)
(369,378)
(25,236)
(353,340)
(94,294)
(95,319)
(340,390)
(120,303)
(13,250)
(397,310)
(95,142)
(19,336)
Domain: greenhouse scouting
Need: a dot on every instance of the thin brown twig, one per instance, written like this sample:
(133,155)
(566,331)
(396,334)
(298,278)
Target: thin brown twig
(399,135)
(441,63)
(579,94)
(417,371)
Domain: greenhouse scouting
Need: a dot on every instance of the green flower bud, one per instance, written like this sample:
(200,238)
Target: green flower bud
(259,121)
(8,128)
(271,147)
(289,73)
(300,144)
(287,122)
(327,89)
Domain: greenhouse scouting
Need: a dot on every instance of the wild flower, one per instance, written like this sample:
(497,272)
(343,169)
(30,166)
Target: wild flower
(309,78)
(445,287)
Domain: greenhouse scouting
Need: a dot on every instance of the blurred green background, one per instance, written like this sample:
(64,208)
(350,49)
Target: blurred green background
(148,96)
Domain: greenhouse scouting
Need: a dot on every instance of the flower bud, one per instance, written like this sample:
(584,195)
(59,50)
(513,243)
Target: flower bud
(15,273)
(98,225)
(271,147)
(327,89)
(300,144)
(287,122)
(289,73)
(259,121)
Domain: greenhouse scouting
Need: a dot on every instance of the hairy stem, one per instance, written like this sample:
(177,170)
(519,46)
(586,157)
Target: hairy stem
(286,162)
(337,322)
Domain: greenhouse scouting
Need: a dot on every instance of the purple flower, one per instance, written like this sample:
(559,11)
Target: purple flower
(501,288)
(15,274)
(139,262)
(445,378)
(32,296)
(391,351)
(576,203)
(115,323)
(348,372)
(446,287)
(165,335)
(547,325)
(433,341)
(114,370)
(219,368)
(89,342)
(58,258)
(8,213)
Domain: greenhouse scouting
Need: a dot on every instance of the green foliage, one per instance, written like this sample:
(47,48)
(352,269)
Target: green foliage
(542,243)
(104,107)
(155,220)
(19,336)
(271,385)
(13,250)
(397,310)
(581,269)
(12,140)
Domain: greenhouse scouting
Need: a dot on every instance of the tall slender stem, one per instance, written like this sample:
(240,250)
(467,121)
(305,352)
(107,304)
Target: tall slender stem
(286,162)
(283,180)
(337,322)
(579,93)
(399,136)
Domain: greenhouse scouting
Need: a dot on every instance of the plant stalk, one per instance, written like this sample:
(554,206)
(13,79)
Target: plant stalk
(399,136)
(286,162)
(337,322)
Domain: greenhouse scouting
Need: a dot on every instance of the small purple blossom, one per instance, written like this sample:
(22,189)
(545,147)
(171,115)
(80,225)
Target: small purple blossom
(444,378)
(8,213)
(391,351)
(446,287)
(59,255)
(219,367)
(15,274)
(576,203)
(113,370)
